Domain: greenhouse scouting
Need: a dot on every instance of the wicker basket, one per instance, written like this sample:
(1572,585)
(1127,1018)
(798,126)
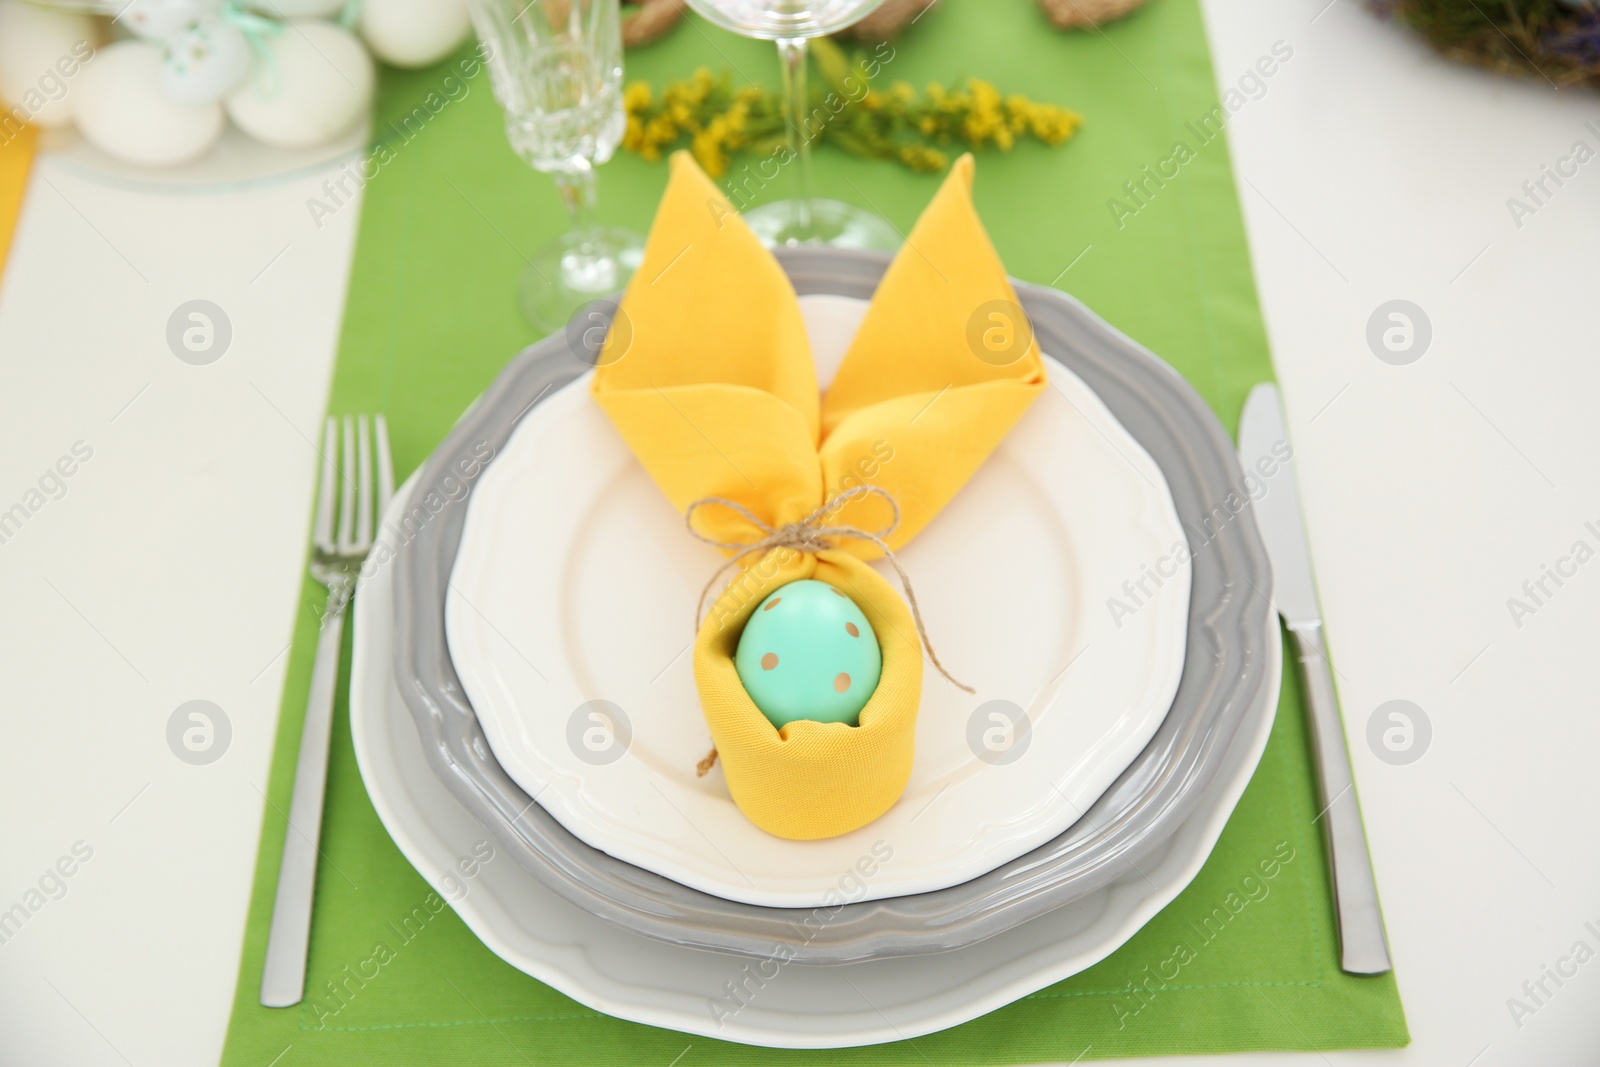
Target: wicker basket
(1086,14)
(645,22)
(888,20)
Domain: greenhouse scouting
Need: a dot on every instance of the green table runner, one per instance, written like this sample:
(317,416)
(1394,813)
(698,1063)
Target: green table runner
(1146,233)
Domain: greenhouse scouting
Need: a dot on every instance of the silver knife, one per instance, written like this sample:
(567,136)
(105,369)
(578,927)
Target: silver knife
(1268,461)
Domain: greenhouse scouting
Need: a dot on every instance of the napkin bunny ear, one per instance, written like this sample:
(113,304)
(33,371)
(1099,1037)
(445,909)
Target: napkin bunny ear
(942,367)
(710,380)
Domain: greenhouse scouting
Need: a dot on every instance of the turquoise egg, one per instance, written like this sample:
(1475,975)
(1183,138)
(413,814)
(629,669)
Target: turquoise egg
(809,653)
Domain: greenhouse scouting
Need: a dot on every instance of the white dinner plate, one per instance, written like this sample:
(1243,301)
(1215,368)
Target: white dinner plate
(644,980)
(577,582)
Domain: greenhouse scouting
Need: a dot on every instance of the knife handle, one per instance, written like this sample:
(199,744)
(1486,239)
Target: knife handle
(1363,948)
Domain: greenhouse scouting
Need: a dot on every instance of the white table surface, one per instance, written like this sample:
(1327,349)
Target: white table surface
(1369,171)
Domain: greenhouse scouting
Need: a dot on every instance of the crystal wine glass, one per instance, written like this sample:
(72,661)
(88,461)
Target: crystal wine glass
(556,69)
(791,23)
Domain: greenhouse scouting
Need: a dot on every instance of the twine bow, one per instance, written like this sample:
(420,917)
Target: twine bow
(814,534)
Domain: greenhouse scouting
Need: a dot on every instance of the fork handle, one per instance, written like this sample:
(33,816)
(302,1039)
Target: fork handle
(283,978)
(1363,948)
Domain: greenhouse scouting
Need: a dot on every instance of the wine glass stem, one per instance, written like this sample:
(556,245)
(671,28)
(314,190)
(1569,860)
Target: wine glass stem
(576,186)
(792,56)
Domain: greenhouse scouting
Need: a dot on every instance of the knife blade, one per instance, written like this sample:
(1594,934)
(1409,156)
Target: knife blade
(1268,462)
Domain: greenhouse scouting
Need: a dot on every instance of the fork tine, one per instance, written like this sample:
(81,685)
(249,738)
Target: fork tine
(380,427)
(322,523)
(364,492)
(347,466)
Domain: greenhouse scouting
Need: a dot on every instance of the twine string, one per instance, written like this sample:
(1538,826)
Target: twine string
(814,534)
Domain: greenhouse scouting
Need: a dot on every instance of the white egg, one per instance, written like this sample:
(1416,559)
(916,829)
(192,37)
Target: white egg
(414,33)
(297,9)
(121,109)
(42,54)
(204,61)
(316,87)
(158,20)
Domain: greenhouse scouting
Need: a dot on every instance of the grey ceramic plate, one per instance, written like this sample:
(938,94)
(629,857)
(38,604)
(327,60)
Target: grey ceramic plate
(1230,623)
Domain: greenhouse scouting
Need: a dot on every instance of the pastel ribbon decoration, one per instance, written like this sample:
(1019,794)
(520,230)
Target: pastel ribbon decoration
(256,28)
(714,390)
(349,14)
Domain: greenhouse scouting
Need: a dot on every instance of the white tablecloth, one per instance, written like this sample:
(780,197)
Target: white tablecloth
(165,568)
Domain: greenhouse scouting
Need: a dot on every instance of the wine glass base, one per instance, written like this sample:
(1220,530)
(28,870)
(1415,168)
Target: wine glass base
(574,270)
(833,223)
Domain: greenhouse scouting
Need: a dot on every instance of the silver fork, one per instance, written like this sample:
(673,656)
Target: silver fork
(335,562)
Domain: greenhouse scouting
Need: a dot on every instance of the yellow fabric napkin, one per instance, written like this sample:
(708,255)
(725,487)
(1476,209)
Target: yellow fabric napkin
(16,157)
(711,384)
